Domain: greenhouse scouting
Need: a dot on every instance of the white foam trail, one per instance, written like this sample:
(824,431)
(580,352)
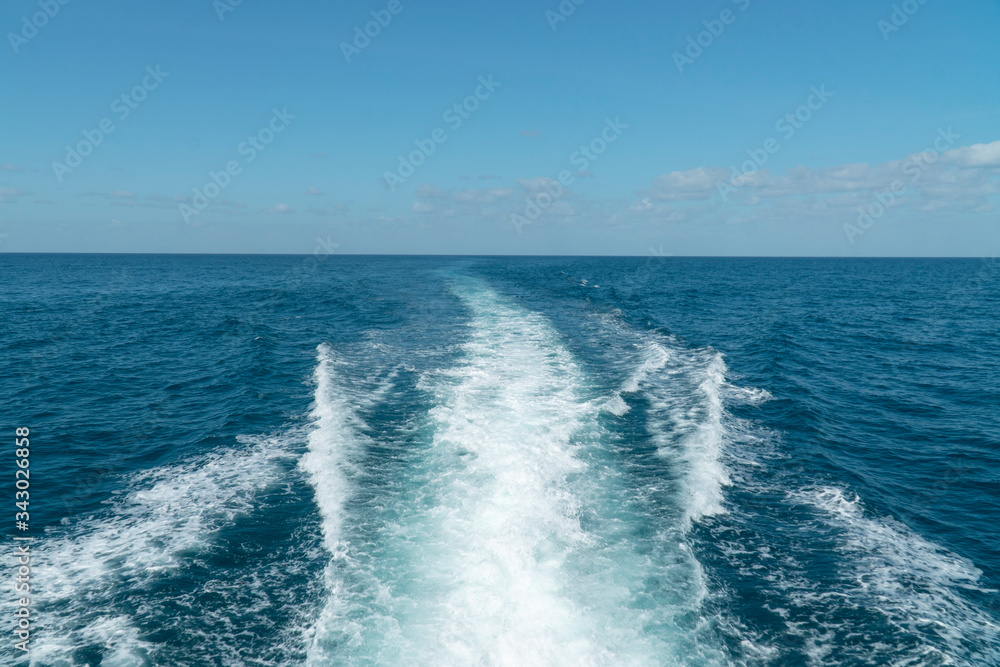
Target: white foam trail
(914,583)
(508,531)
(654,358)
(616,405)
(336,441)
(707,475)
(746,395)
(165,514)
(685,389)
(484,558)
(504,425)
(333,444)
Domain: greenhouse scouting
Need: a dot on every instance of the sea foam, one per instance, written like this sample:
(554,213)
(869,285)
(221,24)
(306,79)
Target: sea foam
(512,536)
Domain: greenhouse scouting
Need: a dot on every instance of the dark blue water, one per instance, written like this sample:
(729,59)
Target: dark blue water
(506,461)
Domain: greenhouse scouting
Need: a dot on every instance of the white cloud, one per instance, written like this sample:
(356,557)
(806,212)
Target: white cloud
(697,183)
(279,208)
(427,191)
(485,196)
(977,155)
(314,191)
(961,176)
(467,196)
(644,204)
(534,186)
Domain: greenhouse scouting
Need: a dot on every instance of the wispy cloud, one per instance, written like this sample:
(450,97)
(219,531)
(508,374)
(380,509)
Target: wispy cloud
(964,176)
(116,194)
(279,208)
(468,195)
(698,183)
(177,199)
(336,209)
(484,204)
(8,195)
(960,180)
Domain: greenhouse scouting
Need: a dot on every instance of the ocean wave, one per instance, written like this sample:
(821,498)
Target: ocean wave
(164,516)
(687,390)
(335,444)
(919,587)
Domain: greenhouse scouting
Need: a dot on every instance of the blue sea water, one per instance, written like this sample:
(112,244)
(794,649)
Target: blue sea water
(244,460)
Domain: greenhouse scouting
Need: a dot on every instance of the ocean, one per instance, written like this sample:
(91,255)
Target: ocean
(517,461)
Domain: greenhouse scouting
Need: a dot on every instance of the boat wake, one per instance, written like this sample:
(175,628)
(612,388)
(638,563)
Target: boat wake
(515,536)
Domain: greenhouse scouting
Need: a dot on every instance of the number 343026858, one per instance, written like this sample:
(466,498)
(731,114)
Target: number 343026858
(21,474)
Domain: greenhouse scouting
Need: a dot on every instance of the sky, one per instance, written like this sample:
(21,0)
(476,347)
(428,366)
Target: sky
(582,127)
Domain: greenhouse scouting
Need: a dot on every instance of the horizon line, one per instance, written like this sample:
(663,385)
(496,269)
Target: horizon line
(459,255)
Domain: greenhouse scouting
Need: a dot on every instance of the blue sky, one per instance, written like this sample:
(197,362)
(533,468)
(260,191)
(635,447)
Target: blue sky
(895,150)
